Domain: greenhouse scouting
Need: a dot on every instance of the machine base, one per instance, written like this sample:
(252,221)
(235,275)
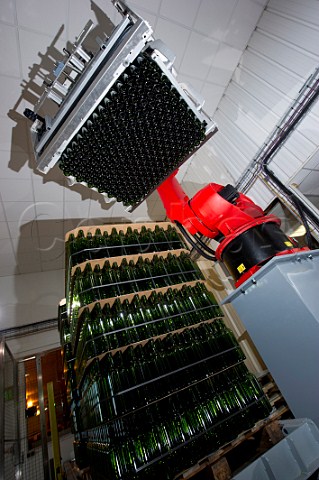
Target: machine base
(296,457)
(252,248)
(279,306)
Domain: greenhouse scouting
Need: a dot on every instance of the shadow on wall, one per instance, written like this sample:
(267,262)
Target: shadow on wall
(41,244)
(34,296)
(191,188)
(32,89)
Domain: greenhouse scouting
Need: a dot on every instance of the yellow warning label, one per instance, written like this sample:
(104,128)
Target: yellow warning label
(241,268)
(289,244)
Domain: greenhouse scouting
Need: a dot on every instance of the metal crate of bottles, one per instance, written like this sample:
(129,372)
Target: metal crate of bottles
(122,121)
(156,380)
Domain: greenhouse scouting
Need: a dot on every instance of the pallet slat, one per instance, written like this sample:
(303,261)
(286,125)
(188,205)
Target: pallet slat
(268,432)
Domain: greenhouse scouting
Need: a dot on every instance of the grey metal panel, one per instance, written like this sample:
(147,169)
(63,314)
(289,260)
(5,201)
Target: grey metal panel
(296,457)
(280,308)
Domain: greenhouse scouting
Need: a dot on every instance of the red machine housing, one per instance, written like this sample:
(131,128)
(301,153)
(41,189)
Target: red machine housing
(248,238)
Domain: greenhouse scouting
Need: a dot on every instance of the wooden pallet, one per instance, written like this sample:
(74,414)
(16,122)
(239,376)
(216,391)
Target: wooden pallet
(73,472)
(243,450)
(221,464)
(234,456)
(272,391)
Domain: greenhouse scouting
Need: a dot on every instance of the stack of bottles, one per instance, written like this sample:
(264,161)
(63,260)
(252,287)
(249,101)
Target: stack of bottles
(122,241)
(159,381)
(65,339)
(139,133)
(108,279)
(99,243)
(127,322)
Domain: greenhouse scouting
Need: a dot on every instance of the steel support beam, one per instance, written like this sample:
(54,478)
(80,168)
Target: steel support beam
(2,412)
(44,440)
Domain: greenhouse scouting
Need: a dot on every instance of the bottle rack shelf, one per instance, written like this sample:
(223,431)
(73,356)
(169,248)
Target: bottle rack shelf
(120,226)
(169,323)
(212,430)
(143,239)
(147,293)
(148,280)
(157,377)
(122,348)
(231,357)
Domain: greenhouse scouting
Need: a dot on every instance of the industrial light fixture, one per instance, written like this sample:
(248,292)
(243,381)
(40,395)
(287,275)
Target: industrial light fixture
(300,231)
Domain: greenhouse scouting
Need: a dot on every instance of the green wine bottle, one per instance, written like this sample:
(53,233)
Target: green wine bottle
(113,243)
(145,239)
(159,272)
(98,244)
(175,269)
(160,239)
(128,283)
(131,332)
(191,269)
(119,316)
(70,248)
(207,298)
(131,242)
(174,239)
(150,328)
(115,274)
(88,277)
(109,289)
(110,327)
(99,331)
(80,245)
(107,244)
(143,275)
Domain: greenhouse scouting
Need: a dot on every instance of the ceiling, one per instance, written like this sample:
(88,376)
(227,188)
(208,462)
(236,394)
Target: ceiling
(208,37)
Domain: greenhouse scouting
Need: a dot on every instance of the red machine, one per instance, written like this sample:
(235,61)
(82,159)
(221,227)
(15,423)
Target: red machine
(247,237)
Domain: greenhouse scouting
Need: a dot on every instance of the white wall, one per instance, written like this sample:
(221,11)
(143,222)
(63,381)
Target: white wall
(27,346)
(281,54)
(66,448)
(29,298)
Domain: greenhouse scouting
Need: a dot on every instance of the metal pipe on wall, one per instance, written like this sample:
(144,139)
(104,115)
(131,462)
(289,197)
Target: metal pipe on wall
(2,384)
(54,433)
(44,440)
(17,451)
(308,95)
